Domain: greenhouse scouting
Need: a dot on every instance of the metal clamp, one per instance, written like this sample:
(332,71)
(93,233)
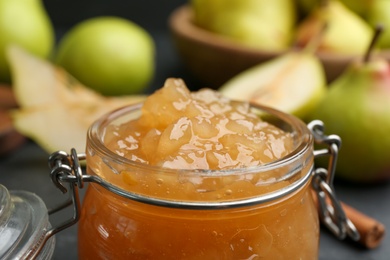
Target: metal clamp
(66,168)
(331,212)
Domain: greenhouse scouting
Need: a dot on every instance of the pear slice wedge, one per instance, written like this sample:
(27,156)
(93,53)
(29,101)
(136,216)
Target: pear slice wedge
(55,110)
(293,83)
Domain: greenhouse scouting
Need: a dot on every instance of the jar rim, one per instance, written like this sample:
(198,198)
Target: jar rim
(298,125)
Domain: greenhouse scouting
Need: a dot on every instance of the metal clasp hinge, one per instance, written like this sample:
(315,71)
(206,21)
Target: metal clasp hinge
(331,212)
(64,168)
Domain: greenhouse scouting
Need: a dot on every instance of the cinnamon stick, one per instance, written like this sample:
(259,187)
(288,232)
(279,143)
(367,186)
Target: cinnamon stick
(371,230)
(10,139)
(7,98)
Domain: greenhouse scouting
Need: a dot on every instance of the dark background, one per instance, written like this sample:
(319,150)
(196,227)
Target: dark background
(150,14)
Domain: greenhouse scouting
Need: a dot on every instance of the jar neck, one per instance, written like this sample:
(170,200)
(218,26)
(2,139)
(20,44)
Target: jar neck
(187,190)
(200,188)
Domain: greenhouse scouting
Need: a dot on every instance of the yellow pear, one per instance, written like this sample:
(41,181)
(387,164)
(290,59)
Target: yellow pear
(258,24)
(347,33)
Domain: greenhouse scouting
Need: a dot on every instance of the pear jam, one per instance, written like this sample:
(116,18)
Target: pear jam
(197,147)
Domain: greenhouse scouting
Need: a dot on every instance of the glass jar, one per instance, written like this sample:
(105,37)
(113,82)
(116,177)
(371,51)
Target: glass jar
(24,223)
(269,210)
(136,211)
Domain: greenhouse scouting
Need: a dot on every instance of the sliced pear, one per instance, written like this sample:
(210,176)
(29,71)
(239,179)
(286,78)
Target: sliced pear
(293,83)
(53,127)
(55,110)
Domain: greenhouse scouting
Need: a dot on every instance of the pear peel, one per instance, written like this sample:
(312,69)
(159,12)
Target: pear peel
(55,110)
(293,83)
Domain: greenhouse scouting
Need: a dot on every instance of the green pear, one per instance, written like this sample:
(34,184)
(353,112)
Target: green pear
(293,83)
(258,24)
(109,54)
(357,108)
(25,23)
(347,33)
(379,13)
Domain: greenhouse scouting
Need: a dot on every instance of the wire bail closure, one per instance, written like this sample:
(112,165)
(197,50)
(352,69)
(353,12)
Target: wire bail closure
(331,212)
(66,168)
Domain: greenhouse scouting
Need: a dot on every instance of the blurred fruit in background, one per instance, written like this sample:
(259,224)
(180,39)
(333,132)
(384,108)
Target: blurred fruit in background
(360,7)
(357,108)
(26,23)
(347,33)
(293,83)
(379,13)
(259,24)
(215,55)
(111,55)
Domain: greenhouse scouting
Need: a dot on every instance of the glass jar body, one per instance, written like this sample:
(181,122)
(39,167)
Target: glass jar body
(256,212)
(112,227)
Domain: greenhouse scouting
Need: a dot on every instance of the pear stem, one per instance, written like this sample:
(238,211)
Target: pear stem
(377,33)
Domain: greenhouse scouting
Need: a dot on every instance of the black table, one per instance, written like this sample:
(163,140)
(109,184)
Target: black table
(27,169)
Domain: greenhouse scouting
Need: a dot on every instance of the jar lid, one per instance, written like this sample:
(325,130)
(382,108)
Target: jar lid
(24,221)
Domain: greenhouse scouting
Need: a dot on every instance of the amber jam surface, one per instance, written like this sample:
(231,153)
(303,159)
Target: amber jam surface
(200,130)
(200,147)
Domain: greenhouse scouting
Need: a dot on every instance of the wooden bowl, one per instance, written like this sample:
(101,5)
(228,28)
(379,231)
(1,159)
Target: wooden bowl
(213,59)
